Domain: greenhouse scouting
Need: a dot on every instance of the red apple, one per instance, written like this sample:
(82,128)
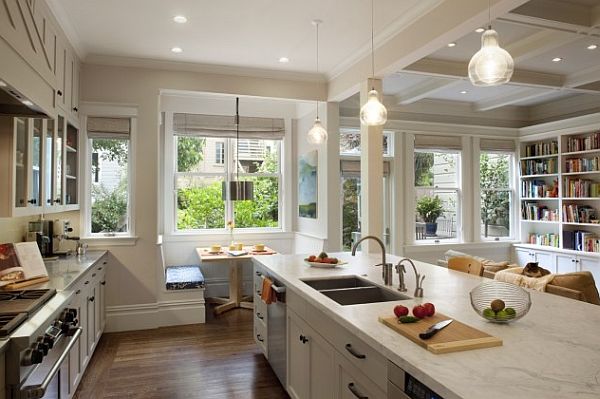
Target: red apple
(400,310)
(430,308)
(419,312)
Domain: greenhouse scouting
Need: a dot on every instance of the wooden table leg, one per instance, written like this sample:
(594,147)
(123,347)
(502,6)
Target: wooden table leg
(235,290)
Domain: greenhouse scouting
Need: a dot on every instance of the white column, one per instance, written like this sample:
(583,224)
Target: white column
(371,174)
(331,113)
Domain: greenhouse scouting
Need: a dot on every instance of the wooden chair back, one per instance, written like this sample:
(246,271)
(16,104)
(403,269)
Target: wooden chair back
(465,264)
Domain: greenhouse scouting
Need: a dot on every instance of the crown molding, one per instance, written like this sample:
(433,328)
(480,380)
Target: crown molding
(149,63)
(60,14)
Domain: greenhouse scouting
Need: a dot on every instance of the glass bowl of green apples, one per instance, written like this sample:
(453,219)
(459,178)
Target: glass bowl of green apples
(500,302)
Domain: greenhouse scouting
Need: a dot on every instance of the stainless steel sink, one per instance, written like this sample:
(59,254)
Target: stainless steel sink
(353,291)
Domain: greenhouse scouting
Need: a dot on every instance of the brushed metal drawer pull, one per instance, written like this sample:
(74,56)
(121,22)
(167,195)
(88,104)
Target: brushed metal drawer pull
(355,392)
(258,337)
(259,316)
(86,283)
(77,292)
(354,353)
(259,274)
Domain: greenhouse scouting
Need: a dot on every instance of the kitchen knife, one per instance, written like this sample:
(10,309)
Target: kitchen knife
(431,331)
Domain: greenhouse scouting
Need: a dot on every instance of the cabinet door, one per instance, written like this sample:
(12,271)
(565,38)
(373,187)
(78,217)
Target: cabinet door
(546,260)
(21,158)
(35,179)
(49,161)
(71,165)
(74,355)
(75,87)
(97,302)
(83,323)
(61,74)
(523,256)
(566,264)
(91,320)
(59,140)
(321,366)
(591,265)
(298,359)
(102,301)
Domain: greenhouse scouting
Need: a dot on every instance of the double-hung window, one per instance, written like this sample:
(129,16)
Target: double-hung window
(496,188)
(109,145)
(202,198)
(437,188)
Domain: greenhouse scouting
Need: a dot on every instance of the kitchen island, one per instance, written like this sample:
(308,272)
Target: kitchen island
(553,352)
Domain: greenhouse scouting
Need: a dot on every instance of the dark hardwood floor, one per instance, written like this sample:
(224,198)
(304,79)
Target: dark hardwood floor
(214,360)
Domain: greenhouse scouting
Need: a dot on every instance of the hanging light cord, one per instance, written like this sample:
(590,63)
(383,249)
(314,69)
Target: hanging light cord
(372,42)
(237,139)
(489,14)
(317,25)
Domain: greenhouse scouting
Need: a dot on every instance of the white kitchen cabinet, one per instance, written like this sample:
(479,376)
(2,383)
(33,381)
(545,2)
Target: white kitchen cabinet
(311,361)
(524,256)
(351,383)
(546,260)
(75,369)
(592,265)
(566,264)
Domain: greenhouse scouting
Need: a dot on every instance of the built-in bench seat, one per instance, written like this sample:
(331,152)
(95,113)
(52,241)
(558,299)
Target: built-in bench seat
(183,277)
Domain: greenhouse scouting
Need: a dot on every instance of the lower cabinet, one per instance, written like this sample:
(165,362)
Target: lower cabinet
(351,383)
(311,361)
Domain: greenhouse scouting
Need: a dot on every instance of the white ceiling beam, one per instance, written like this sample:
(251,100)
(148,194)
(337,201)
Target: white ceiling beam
(424,90)
(553,14)
(509,99)
(539,43)
(584,77)
(445,22)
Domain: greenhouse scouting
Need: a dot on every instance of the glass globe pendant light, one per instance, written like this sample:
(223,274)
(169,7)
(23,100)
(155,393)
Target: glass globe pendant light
(491,65)
(317,133)
(373,113)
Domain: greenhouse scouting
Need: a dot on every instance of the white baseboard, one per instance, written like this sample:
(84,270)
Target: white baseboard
(147,316)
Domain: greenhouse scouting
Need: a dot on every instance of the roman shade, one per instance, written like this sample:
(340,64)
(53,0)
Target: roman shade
(224,126)
(438,142)
(497,145)
(100,127)
(351,168)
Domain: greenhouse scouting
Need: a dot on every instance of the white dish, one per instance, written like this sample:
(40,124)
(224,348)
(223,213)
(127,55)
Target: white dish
(325,265)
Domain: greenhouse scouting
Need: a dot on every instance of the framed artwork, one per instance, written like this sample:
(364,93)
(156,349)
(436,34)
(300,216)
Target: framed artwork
(307,185)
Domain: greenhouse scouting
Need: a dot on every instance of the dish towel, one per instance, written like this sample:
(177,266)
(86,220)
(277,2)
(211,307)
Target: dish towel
(268,295)
(515,276)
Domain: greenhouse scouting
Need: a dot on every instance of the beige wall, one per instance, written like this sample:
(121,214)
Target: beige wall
(136,276)
(15,229)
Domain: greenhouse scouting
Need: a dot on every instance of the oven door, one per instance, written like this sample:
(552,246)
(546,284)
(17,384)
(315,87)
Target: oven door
(50,379)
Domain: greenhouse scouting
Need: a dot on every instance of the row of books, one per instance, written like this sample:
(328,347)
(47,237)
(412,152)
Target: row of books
(539,166)
(578,213)
(591,142)
(537,149)
(539,189)
(581,188)
(549,240)
(581,241)
(533,211)
(582,164)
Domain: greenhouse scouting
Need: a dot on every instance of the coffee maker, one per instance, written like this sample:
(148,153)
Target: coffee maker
(49,235)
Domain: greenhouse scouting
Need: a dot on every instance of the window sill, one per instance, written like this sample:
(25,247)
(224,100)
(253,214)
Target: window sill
(117,241)
(224,236)
(424,247)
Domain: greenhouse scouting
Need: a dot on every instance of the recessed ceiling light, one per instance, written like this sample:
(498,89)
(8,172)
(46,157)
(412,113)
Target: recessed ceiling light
(2,84)
(479,30)
(180,19)
(592,47)
(463,92)
(451,44)
(284,60)
(27,102)
(557,59)
(177,50)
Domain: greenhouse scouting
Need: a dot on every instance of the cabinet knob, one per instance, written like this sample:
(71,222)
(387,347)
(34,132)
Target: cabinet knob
(259,337)
(57,201)
(59,93)
(32,201)
(103,283)
(91,299)
(303,339)
(75,109)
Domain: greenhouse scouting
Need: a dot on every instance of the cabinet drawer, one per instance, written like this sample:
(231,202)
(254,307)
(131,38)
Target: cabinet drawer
(260,337)
(260,311)
(358,353)
(353,384)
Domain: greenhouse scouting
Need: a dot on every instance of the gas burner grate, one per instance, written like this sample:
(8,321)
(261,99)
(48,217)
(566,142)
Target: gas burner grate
(8,322)
(7,296)
(32,294)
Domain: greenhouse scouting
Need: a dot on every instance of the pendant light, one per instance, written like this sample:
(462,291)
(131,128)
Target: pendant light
(373,113)
(491,65)
(317,133)
(238,190)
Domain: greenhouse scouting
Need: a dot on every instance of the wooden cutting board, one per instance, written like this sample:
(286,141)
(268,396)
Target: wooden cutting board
(26,283)
(455,337)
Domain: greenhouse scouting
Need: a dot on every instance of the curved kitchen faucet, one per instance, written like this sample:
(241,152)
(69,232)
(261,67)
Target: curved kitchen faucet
(387,271)
(401,270)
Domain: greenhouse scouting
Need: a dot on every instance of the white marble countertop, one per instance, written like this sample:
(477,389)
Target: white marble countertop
(552,352)
(65,272)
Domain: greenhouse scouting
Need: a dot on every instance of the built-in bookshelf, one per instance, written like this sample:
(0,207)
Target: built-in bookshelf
(560,192)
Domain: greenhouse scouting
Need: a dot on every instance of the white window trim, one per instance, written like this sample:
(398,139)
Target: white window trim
(170,210)
(459,198)
(117,111)
(514,205)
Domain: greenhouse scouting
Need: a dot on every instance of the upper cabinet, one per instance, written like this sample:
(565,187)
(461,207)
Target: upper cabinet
(37,58)
(39,166)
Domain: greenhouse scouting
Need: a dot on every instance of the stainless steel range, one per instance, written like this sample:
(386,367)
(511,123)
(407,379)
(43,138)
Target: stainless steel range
(42,330)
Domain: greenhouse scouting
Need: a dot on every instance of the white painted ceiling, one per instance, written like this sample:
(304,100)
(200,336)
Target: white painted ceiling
(249,34)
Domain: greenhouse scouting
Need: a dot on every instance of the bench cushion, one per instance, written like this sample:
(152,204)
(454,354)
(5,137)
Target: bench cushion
(183,277)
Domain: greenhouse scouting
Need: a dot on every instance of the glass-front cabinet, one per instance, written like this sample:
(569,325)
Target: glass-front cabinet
(39,166)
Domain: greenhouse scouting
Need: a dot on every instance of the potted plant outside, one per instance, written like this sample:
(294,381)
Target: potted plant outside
(430,209)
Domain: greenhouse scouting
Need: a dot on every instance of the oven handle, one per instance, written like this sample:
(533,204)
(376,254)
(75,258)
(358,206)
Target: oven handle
(38,391)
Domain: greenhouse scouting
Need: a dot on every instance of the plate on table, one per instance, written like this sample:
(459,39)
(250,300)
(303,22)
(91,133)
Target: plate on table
(324,265)
(215,252)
